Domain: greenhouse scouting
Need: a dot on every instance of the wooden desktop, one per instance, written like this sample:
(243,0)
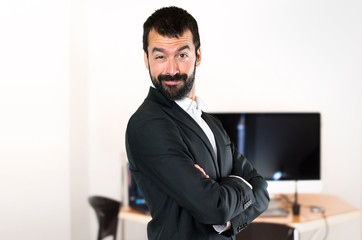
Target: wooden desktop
(336,211)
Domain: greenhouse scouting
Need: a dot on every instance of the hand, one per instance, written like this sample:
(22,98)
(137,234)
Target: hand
(202,170)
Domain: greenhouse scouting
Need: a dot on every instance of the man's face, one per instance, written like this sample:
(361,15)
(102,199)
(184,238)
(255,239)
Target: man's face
(171,63)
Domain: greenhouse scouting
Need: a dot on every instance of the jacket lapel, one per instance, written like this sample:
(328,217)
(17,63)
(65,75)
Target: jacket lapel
(179,115)
(220,142)
(183,118)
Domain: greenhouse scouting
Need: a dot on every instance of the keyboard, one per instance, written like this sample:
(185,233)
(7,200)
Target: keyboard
(275,212)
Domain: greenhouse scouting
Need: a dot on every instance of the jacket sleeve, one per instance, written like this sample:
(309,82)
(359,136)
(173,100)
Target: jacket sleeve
(156,149)
(242,167)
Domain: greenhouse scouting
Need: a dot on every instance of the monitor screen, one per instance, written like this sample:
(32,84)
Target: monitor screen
(135,197)
(281,146)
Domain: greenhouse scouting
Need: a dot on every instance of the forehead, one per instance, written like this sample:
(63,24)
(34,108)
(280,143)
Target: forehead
(155,40)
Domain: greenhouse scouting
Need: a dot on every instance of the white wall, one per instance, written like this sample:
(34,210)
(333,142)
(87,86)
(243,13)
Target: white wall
(257,56)
(81,212)
(72,73)
(34,120)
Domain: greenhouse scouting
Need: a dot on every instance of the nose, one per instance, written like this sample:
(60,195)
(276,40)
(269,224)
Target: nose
(172,67)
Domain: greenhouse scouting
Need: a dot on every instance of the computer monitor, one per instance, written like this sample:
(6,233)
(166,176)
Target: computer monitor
(283,147)
(136,200)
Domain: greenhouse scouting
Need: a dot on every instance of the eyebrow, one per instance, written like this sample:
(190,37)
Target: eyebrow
(156,49)
(183,48)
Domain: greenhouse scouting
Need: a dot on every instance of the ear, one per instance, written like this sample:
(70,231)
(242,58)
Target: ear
(198,57)
(146,60)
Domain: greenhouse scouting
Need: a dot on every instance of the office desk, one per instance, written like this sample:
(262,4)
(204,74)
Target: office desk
(336,211)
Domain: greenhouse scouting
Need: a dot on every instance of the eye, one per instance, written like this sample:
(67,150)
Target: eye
(159,57)
(182,57)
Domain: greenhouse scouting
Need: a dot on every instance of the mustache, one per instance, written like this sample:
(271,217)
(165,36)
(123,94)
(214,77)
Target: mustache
(176,77)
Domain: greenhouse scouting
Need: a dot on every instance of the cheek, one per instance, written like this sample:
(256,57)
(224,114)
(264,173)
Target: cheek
(187,67)
(155,69)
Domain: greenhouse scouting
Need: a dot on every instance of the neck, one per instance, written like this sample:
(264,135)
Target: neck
(192,94)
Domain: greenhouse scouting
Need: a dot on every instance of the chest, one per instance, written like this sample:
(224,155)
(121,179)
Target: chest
(202,153)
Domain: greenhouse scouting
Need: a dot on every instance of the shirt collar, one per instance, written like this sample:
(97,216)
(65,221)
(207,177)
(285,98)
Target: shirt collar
(188,104)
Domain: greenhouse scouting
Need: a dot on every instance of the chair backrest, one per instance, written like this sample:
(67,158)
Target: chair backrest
(107,215)
(267,231)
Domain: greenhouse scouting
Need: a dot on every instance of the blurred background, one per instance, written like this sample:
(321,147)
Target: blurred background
(72,73)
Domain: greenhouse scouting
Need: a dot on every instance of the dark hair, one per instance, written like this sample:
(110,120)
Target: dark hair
(171,22)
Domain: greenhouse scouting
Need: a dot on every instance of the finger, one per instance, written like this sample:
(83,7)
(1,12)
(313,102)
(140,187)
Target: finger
(202,170)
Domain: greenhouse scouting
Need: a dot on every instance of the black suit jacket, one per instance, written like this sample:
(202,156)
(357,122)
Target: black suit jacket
(163,143)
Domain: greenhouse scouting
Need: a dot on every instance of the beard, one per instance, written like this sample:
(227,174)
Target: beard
(174,92)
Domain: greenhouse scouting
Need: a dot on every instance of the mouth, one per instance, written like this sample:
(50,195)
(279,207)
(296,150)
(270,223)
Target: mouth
(172,82)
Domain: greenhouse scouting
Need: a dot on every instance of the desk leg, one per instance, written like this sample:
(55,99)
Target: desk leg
(317,234)
(296,234)
(123,227)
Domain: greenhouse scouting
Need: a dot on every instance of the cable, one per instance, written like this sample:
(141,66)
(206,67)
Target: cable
(326,222)
(285,197)
(313,209)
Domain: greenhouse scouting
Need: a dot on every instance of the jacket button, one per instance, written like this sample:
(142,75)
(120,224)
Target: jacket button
(241,227)
(247,204)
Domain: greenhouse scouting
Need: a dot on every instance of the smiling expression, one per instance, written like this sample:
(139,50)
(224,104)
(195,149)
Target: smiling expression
(171,63)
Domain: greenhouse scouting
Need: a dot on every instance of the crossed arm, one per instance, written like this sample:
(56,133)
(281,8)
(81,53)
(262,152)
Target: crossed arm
(244,170)
(208,201)
(224,227)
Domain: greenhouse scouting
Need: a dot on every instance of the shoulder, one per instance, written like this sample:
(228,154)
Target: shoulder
(154,105)
(149,110)
(151,117)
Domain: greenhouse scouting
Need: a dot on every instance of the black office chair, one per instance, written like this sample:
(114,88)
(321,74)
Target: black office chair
(267,231)
(107,215)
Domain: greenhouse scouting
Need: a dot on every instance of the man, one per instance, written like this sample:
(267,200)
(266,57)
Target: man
(196,184)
